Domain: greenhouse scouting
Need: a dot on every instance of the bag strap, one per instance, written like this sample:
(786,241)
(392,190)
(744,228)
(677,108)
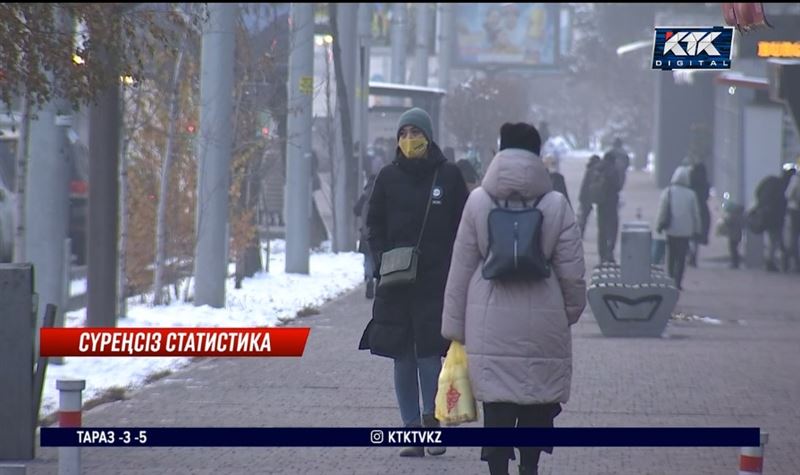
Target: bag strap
(427,210)
(536,203)
(524,202)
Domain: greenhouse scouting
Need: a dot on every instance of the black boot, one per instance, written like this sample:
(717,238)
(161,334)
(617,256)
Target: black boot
(370,288)
(528,470)
(498,466)
(416,451)
(429,421)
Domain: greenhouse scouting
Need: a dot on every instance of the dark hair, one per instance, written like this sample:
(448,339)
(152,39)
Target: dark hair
(520,135)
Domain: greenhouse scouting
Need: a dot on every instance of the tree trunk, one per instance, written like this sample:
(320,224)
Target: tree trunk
(253,261)
(159,296)
(20,177)
(329,136)
(341,96)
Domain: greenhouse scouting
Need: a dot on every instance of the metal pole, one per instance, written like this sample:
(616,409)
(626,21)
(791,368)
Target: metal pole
(445,37)
(422,49)
(63,305)
(47,200)
(365,39)
(345,193)
(214,153)
(399,37)
(41,366)
(101,274)
(298,143)
(69,415)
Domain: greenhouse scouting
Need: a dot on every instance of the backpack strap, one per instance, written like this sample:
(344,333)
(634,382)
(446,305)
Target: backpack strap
(536,203)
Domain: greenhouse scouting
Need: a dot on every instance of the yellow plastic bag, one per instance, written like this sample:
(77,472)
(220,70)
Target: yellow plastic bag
(454,401)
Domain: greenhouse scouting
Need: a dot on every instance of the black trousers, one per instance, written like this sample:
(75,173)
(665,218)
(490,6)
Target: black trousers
(607,227)
(775,245)
(677,247)
(507,414)
(794,237)
(584,210)
(733,248)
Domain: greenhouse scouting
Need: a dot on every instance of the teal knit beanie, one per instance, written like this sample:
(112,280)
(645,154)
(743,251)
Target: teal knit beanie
(419,119)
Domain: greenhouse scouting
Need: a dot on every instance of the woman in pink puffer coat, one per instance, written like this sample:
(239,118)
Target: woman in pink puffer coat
(517,334)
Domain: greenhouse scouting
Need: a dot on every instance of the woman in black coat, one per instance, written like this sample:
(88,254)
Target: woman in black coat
(406,320)
(698,181)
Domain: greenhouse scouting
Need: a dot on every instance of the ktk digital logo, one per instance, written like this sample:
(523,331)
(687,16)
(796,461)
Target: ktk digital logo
(692,48)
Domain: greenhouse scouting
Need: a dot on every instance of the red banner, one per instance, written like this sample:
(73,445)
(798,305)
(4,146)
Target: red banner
(172,341)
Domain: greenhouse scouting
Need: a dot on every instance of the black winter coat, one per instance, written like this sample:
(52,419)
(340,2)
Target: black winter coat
(698,181)
(770,195)
(560,185)
(396,211)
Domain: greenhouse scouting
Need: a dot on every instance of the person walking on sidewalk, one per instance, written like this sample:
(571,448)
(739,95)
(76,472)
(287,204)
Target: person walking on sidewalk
(621,159)
(516,334)
(698,182)
(793,208)
(771,199)
(732,226)
(585,200)
(360,210)
(376,163)
(559,183)
(407,319)
(679,218)
(605,188)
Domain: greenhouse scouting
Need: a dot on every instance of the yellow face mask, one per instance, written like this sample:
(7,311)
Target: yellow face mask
(413,147)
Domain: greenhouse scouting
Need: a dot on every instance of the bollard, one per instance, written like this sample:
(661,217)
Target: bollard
(69,415)
(8,469)
(751,459)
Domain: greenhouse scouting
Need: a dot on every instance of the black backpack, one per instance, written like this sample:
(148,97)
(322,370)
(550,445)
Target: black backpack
(515,248)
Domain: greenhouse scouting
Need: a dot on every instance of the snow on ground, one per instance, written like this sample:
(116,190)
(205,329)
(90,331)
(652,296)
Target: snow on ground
(264,300)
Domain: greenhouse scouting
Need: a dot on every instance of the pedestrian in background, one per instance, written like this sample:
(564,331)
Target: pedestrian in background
(731,225)
(793,208)
(585,199)
(559,183)
(360,210)
(469,174)
(604,188)
(771,200)
(679,218)
(698,182)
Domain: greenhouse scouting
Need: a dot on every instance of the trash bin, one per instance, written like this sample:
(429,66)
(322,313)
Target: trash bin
(635,245)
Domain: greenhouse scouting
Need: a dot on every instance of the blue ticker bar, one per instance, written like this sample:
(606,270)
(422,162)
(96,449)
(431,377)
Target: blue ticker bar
(394,437)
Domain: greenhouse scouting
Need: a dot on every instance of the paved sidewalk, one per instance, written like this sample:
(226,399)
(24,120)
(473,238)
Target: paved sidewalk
(741,372)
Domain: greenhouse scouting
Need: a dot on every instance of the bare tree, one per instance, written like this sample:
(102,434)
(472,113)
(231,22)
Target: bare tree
(122,278)
(159,296)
